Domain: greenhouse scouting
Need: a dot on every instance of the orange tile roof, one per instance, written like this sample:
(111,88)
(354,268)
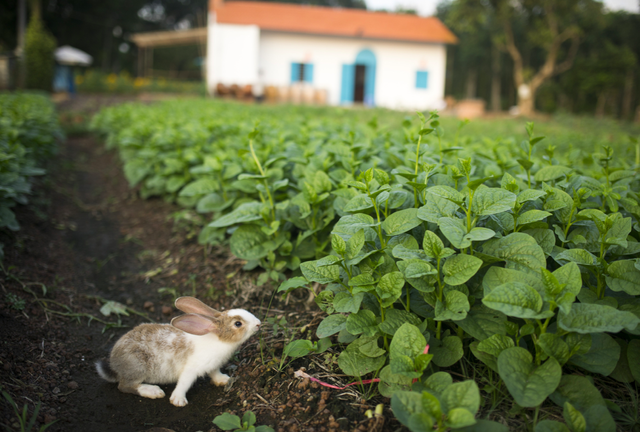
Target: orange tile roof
(332,21)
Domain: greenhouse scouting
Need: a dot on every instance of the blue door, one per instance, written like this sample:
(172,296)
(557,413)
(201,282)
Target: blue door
(367,59)
(348,79)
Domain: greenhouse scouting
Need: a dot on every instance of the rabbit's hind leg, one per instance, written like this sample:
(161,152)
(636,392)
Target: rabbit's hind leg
(218,378)
(144,390)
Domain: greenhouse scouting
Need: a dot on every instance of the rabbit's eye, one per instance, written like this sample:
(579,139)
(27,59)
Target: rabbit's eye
(238,324)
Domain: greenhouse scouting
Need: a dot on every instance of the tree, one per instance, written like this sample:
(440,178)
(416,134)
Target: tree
(38,52)
(550,25)
(475,26)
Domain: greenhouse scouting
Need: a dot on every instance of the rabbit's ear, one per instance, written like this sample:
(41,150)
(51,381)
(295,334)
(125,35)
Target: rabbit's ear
(193,305)
(194,324)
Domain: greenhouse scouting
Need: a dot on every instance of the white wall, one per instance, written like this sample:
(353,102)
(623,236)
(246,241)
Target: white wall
(232,54)
(397,64)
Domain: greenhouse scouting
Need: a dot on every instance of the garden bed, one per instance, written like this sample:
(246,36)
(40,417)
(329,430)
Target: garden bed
(483,255)
(88,239)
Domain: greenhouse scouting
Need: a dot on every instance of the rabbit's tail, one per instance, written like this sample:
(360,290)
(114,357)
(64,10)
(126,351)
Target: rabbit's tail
(105,371)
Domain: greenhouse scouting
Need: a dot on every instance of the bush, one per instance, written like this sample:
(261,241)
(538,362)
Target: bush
(28,133)
(521,259)
(38,51)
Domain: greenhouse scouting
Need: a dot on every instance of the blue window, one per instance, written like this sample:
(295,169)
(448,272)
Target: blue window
(422,79)
(302,72)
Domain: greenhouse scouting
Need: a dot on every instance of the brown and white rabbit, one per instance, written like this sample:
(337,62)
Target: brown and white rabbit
(193,345)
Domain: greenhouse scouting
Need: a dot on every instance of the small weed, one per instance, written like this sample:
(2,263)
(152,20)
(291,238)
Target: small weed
(15,302)
(173,292)
(26,423)
(232,422)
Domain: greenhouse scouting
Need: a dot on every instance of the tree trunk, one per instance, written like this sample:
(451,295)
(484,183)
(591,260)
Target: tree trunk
(527,91)
(627,95)
(527,98)
(600,105)
(472,80)
(525,106)
(496,104)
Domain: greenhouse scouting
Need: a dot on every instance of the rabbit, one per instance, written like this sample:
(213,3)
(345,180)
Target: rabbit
(193,345)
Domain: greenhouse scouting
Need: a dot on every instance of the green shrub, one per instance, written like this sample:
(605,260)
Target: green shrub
(29,131)
(39,55)
(522,259)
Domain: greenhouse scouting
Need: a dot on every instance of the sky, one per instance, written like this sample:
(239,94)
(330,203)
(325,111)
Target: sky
(428,7)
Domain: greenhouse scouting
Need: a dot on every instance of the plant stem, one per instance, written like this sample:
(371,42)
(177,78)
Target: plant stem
(266,183)
(415,191)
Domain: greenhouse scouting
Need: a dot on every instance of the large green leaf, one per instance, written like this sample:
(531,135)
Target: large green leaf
(482,324)
(227,421)
(331,325)
(515,299)
(455,231)
(454,307)
(246,212)
(578,256)
(354,363)
(199,187)
(532,216)
(495,344)
(447,352)
(460,268)
(249,242)
(551,172)
(583,396)
(519,250)
(624,276)
(555,347)
(447,193)
(602,356)
(401,221)
(320,274)
(463,394)
(347,302)
(485,426)
(596,318)
(633,357)
(408,409)
(389,288)
(407,341)
(488,201)
(551,426)
(359,203)
(528,384)
(433,246)
(349,225)
(497,276)
(364,322)
(395,318)
(435,208)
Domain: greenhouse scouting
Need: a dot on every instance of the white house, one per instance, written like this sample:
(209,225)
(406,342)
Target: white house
(374,58)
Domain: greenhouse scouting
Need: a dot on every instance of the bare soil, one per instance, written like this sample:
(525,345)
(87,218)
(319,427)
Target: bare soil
(86,239)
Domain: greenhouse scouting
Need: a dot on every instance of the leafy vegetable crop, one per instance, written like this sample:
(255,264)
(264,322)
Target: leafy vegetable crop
(525,258)
(29,131)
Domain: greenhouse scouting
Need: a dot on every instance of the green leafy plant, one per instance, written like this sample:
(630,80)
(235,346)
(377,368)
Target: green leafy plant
(228,421)
(15,302)
(39,54)
(29,132)
(521,259)
(300,348)
(26,423)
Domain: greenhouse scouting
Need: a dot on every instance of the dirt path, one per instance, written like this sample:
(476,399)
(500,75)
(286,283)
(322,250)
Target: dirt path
(90,239)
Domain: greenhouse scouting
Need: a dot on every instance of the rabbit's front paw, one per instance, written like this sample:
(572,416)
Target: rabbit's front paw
(178,400)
